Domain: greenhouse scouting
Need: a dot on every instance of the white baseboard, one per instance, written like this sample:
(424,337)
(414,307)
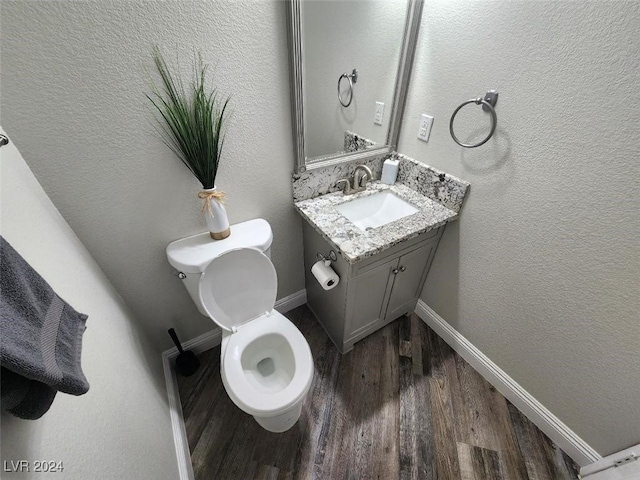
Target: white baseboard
(618,466)
(292,301)
(183,456)
(198,345)
(546,421)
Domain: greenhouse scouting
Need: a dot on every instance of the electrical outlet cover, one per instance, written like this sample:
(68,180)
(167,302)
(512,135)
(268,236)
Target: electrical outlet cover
(424,130)
(379,115)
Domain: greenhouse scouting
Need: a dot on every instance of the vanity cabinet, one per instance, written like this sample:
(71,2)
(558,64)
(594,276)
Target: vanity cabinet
(372,292)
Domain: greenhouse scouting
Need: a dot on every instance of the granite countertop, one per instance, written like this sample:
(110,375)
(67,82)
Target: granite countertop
(355,244)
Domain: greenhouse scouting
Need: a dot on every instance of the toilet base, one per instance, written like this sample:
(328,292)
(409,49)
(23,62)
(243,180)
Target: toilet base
(283,422)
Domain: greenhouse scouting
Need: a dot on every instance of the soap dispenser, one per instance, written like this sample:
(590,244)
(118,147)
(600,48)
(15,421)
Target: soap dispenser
(390,171)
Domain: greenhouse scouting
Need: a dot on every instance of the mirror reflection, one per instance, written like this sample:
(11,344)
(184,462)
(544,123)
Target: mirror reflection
(346,111)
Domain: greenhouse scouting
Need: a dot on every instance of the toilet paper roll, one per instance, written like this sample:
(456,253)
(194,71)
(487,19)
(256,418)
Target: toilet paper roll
(325,275)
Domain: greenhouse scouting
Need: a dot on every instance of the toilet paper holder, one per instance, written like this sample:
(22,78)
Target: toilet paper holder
(332,257)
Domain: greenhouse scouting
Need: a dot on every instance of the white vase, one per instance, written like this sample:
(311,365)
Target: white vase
(216,218)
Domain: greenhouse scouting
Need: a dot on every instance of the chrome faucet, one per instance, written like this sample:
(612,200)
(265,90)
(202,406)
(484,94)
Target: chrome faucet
(358,182)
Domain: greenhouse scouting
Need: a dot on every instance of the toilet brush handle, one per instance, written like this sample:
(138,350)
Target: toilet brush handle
(174,337)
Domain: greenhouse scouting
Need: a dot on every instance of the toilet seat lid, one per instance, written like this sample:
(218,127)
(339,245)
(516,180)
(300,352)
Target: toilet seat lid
(238,286)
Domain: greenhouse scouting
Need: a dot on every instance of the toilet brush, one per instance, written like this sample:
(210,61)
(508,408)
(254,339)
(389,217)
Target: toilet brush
(186,363)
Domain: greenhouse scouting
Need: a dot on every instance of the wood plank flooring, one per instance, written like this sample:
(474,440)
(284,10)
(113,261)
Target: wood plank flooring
(400,405)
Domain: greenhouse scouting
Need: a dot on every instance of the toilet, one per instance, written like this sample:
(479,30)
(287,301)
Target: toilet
(265,362)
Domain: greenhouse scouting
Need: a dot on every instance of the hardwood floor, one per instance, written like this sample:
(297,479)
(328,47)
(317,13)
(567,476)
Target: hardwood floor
(400,405)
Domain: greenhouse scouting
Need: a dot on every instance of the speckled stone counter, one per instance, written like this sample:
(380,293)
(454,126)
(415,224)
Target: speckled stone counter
(354,142)
(355,244)
(314,183)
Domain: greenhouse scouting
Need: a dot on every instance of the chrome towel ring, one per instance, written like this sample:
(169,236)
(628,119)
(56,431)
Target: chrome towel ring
(488,102)
(353,78)
(4,140)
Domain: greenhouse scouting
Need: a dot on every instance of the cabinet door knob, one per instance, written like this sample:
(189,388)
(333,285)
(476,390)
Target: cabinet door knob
(403,268)
(395,271)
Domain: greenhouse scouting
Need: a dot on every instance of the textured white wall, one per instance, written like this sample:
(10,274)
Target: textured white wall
(542,270)
(121,427)
(73,84)
(338,37)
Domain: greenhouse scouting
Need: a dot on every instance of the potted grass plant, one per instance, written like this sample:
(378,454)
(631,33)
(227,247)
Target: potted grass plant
(191,123)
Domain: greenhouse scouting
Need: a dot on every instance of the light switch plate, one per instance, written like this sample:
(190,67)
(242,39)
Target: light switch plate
(379,115)
(424,130)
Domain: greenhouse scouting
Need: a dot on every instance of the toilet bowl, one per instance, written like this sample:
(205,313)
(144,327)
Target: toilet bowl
(267,371)
(266,363)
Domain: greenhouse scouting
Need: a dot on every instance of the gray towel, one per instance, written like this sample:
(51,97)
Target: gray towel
(24,398)
(41,333)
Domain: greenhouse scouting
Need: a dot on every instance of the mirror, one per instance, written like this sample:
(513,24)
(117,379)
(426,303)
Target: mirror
(346,56)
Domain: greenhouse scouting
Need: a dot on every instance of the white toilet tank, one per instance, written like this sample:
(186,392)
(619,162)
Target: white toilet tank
(191,255)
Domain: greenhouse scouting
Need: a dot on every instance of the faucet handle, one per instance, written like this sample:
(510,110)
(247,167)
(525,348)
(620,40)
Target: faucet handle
(364,179)
(360,182)
(346,188)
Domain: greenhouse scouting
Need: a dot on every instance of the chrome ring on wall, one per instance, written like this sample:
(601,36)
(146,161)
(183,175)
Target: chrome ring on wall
(487,103)
(353,78)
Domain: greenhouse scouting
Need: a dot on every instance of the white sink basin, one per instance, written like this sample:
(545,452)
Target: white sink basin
(376,210)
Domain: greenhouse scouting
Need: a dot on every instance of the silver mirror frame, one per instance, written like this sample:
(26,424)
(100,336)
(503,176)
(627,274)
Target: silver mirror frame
(410,37)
